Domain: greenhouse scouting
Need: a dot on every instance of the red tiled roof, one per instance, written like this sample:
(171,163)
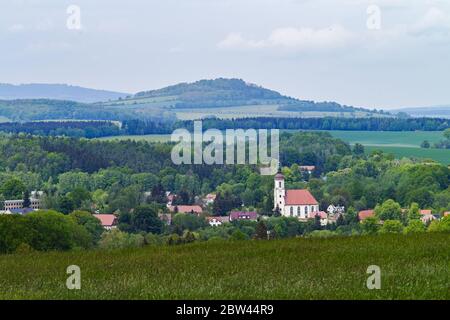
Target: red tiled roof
(300,197)
(309,168)
(107,220)
(187,209)
(425,212)
(364,214)
(321,214)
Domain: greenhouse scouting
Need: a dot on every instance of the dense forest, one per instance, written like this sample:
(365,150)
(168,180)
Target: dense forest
(95,129)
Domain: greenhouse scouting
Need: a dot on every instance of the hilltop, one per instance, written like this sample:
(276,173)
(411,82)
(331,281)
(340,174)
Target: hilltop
(56,92)
(235,98)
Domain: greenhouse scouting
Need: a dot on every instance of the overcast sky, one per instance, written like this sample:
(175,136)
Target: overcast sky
(310,49)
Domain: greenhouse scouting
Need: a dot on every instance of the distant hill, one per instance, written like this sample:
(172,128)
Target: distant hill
(433,111)
(57,92)
(220,98)
(236,93)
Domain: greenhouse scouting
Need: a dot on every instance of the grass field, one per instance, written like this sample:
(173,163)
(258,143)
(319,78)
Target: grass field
(412,267)
(401,144)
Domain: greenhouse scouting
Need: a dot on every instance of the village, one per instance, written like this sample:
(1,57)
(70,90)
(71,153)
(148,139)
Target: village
(294,203)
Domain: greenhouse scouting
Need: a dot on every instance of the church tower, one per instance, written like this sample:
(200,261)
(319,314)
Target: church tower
(279,193)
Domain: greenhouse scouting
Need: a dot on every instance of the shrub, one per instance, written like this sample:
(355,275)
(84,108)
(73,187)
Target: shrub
(391,226)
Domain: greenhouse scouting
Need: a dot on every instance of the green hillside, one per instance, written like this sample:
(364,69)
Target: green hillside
(222,98)
(412,267)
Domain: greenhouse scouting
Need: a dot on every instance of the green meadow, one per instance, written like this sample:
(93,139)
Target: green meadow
(412,267)
(401,144)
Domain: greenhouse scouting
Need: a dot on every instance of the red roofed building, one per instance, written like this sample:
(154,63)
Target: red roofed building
(425,212)
(108,221)
(195,209)
(293,203)
(243,215)
(364,214)
(447,213)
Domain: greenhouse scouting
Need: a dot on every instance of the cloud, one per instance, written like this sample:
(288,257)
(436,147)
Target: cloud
(298,39)
(16,28)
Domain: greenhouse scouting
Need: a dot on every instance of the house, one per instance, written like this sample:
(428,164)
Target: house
(293,203)
(108,221)
(35,201)
(321,214)
(166,218)
(307,169)
(364,214)
(333,210)
(217,221)
(446,213)
(209,199)
(194,209)
(242,215)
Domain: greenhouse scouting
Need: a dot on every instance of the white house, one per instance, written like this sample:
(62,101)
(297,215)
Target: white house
(293,203)
(333,210)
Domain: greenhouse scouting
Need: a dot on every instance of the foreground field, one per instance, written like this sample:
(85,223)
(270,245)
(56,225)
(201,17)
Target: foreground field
(412,267)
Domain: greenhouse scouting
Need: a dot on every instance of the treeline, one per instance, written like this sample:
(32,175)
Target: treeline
(76,129)
(329,123)
(96,129)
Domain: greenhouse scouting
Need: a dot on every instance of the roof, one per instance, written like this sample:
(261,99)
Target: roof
(300,197)
(251,215)
(447,213)
(321,214)
(308,168)
(279,176)
(107,220)
(187,209)
(364,214)
(425,212)
(221,219)
(21,211)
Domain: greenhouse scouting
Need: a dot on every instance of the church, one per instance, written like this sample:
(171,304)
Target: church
(293,203)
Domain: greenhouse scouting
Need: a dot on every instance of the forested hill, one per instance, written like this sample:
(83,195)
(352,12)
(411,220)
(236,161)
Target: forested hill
(57,92)
(223,92)
(220,98)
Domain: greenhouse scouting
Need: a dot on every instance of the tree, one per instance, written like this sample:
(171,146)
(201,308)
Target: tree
(440,226)
(26,199)
(414,226)
(447,134)
(13,189)
(238,235)
(143,218)
(370,225)
(260,231)
(182,222)
(91,223)
(389,210)
(358,150)
(414,211)
(52,230)
(391,226)
(425,144)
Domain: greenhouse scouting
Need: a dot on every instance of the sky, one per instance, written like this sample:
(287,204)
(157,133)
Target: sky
(377,54)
